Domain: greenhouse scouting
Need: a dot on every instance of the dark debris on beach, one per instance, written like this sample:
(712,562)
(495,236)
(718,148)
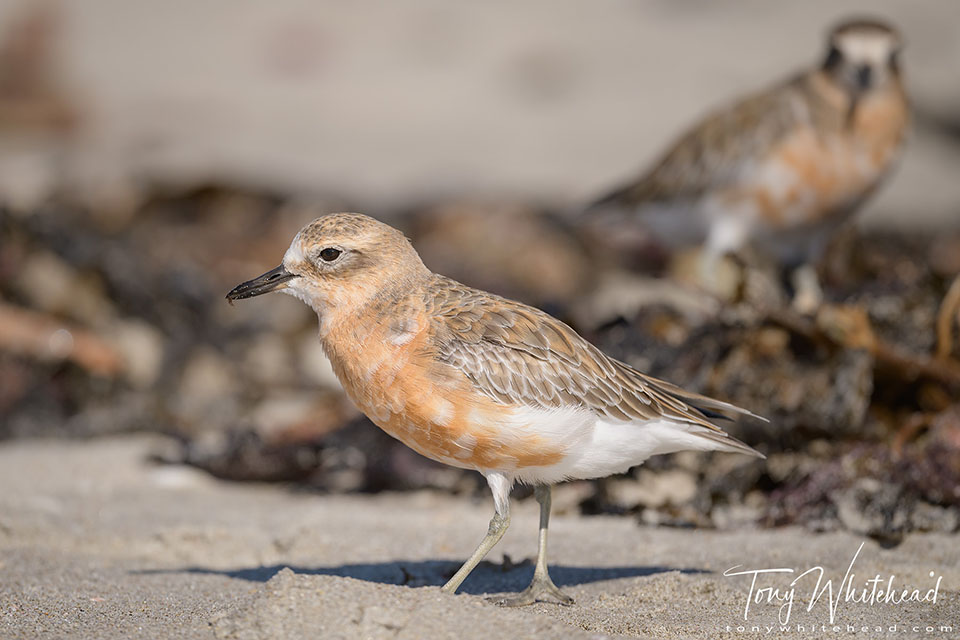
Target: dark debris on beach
(113,320)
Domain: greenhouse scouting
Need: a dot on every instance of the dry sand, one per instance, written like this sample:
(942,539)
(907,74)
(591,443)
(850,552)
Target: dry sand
(95,542)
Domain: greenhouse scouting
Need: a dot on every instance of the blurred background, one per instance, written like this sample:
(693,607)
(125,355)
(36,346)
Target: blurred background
(153,155)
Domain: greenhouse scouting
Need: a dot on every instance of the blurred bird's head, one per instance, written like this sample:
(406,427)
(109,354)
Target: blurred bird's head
(862,55)
(341,261)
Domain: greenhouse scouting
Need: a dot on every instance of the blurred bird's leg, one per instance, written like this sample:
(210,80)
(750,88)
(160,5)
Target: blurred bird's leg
(541,588)
(708,270)
(808,296)
(500,486)
(719,275)
(728,234)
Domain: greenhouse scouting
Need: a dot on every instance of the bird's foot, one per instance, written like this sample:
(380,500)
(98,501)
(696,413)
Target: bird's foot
(541,589)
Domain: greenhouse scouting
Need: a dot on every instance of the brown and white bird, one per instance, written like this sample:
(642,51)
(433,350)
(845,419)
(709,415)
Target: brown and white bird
(785,167)
(477,381)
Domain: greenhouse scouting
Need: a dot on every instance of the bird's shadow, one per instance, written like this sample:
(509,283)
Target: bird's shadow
(488,577)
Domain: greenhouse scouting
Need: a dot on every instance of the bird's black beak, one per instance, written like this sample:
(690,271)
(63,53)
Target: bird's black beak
(864,77)
(270,281)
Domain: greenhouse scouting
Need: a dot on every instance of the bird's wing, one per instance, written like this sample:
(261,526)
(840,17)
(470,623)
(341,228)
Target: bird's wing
(520,355)
(713,153)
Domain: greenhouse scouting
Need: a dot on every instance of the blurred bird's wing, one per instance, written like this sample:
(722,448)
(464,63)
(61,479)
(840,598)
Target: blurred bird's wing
(715,152)
(520,355)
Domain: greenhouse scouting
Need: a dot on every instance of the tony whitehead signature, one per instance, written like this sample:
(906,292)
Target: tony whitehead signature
(876,590)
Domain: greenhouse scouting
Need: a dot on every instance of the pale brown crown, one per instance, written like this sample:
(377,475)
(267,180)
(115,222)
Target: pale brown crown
(864,26)
(360,243)
(355,232)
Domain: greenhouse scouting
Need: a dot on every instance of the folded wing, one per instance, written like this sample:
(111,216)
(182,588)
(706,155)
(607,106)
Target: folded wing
(520,355)
(713,153)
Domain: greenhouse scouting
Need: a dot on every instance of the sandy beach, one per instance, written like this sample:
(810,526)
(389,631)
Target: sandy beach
(96,541)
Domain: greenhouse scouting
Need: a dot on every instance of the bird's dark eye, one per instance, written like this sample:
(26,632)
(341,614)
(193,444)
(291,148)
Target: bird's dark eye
(894,61)
(330,254)
(833,58)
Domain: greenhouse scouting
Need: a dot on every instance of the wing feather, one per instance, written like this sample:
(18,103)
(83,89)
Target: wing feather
(520,355)
(713,153)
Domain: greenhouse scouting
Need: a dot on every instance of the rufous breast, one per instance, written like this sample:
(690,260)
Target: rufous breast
(388,367)
(818,172)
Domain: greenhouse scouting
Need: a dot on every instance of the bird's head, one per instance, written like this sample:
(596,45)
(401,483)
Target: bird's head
(863,55)
(340,261)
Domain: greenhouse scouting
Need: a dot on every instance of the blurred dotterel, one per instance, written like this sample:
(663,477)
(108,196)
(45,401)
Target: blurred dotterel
(785,167)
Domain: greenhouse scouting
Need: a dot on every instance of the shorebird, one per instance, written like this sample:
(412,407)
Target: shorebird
(785,167)
(477,381)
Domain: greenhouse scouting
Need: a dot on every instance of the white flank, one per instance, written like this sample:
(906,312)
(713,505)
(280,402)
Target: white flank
(598,447)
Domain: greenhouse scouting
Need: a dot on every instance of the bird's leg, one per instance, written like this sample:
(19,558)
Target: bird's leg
(500,487)
(541,587)
(707,266)
(807,296)
(719,275)
(728,235)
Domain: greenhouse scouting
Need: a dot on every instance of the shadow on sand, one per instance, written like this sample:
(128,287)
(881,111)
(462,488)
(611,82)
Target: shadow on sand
(488,577)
